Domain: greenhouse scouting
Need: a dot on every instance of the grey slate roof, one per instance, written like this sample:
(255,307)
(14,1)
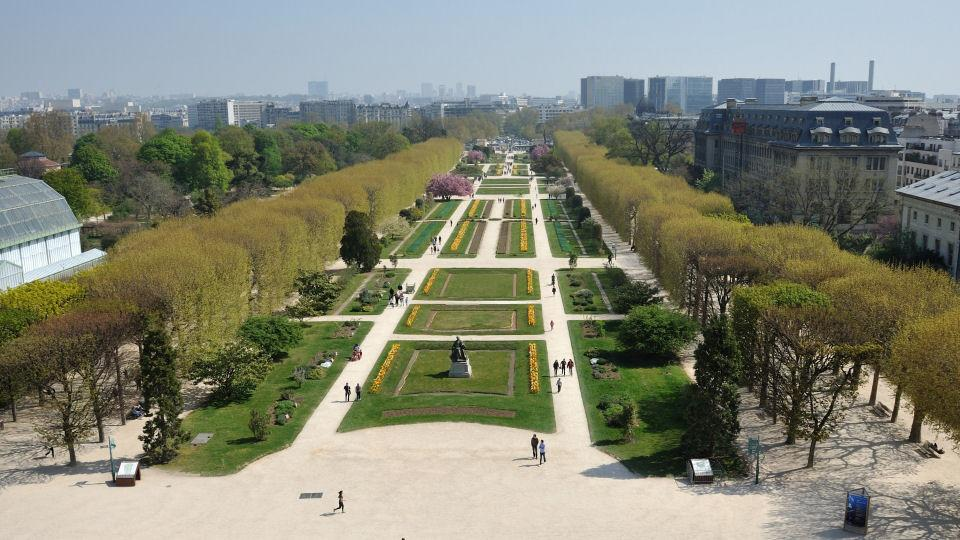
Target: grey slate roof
(942,188)
(30,209)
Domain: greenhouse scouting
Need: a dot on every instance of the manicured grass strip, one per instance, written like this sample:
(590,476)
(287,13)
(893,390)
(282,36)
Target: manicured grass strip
(563,242)
(584,280)
(349,280)
(551,208)
(380,282)
(232,446)
(507,180)
(465,231)
(514,247)
(480,284)
(440,399)
(443,210)
(477,208)
(502,191)
(661,392)
(507,319)
(419,241)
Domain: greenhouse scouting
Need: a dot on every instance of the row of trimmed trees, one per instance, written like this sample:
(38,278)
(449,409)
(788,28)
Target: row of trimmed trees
(807,316)
(182,290)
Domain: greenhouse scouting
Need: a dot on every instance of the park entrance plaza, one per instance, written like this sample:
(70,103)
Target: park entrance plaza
(422,455)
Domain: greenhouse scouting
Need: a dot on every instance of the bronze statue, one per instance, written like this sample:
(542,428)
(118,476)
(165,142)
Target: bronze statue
(458,353)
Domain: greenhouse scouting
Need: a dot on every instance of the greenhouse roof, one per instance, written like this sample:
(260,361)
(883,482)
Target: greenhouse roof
(30,209)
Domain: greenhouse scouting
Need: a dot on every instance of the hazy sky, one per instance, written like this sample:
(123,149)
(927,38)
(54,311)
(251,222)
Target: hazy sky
(216,47)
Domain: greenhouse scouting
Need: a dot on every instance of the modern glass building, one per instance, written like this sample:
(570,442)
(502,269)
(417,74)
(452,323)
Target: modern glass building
(684,94)
(601,91)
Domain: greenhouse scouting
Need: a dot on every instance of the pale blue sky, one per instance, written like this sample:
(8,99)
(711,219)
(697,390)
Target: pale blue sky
(215,47)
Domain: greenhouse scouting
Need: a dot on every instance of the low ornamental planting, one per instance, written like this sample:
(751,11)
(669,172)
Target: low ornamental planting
(473,208)
(455,245)
(384,369)
(433,277)
(524,246)
(523,208)
(529,281)
(413,315)
(531,315)
(534,369)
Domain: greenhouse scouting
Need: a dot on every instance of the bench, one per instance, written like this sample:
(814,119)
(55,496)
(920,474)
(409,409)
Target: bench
(881,410)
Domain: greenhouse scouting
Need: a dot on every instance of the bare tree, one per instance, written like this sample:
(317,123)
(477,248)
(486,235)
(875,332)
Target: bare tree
(659,140)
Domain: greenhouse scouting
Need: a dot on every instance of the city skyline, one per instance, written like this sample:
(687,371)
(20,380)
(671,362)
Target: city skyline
(277,52)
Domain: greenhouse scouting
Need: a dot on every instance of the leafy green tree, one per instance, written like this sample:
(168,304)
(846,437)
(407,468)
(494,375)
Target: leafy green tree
(718,359)
(267,147)
(207,167)
(42,299)
(274,335)
(70,183)
(572,260)
(17,139)
(379,139)
(91,161)
(635,293)
(235,370)
(360,245)
(163,433)
(656,331)
(171,148)
(522,123)
(8,158)
(550,166)
(713,425)
(208,203)
(317,292)
(50,133)
(421,128)
(308,158)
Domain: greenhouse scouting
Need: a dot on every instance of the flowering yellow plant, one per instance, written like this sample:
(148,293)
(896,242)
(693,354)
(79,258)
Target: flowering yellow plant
(433,277)
(413,315)
(534,369)
(531,315)
(384,369)
(529,281)
(455,245)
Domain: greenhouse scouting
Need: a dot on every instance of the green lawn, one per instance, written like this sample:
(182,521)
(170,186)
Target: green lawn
(502,191)
(511,209)
(232,446)
(471,319)
(661,394)
(529,411)
(349,280)
(551,208)
(510,231)
(479,211)
(586,281)
(419,241)
(490,375)
(480,284)
(381,282)
(468,245)
(443,210)
(562,240)
(506,180)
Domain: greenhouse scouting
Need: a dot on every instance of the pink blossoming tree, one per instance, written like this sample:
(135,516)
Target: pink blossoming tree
(539,151)
(448,185)
(474,156)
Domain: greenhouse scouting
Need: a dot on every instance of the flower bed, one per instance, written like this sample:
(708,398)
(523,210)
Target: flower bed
(413,315)
(384,369)
(455,245)
(529,281)
(524,246)
(472,211)
(523,208)
(433,277)
(531,315)
(534,368)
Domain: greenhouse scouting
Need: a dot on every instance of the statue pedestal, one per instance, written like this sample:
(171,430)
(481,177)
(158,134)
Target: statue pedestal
(460,370)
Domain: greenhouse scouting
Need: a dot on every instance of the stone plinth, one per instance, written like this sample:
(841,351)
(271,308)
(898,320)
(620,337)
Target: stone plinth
(460,370)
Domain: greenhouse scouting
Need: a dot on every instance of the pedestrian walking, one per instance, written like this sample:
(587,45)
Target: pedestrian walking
(346,392)
(51,453)
(339,503)
(570,366)
(551,326)
(357,398)
(554,290)
(563,366)
(559,385)
(556,368)
(543,451)
(534,442)
(609,258)
(439,241)
(553,279)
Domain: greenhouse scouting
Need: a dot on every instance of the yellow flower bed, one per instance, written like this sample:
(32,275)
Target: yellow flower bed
(459,238)
(534,369)
(523,208)
(529,281)
(473,208)
(413,315)
(523,237)
(429,285)
(531,315)
(384,369)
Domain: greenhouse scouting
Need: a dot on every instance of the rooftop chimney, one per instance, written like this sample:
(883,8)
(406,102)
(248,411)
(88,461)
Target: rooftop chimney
(870,77)
(833,77)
